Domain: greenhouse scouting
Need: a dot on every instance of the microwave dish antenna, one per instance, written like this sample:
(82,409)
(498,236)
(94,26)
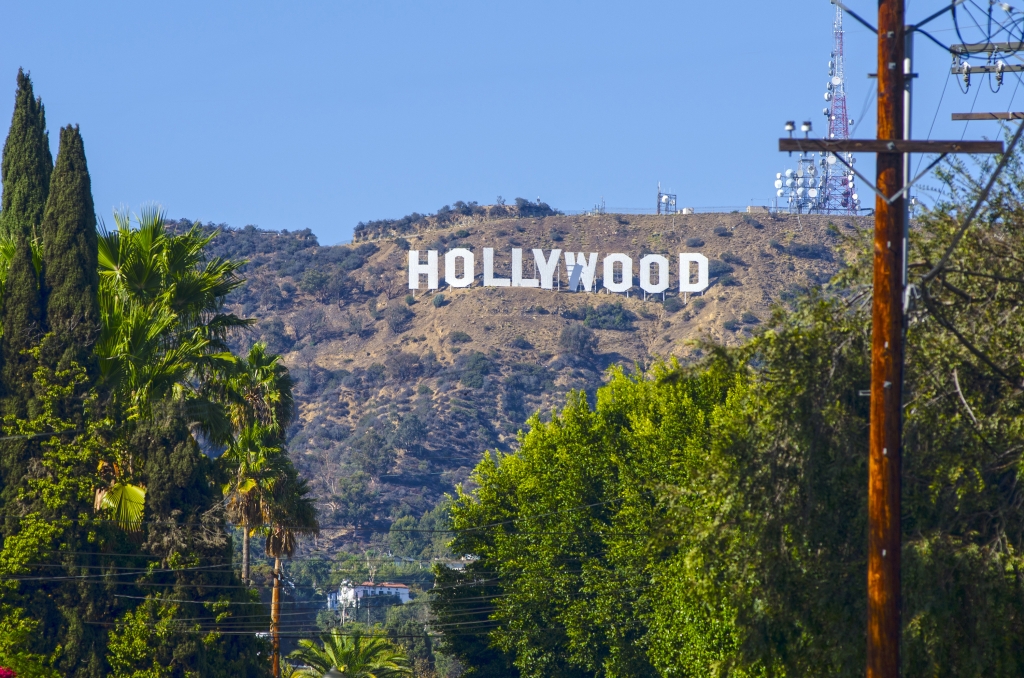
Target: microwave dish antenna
(819,183)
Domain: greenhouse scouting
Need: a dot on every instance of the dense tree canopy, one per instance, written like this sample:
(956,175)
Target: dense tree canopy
(711,519)
(115,369)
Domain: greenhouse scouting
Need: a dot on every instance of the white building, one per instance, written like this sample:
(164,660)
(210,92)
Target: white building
(361,595)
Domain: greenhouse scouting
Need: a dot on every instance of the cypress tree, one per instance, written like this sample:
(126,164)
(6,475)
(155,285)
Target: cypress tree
(26,168)
(22,318)
(27,164)
(70,273)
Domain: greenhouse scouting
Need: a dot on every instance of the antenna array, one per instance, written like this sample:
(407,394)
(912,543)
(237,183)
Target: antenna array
(821,184)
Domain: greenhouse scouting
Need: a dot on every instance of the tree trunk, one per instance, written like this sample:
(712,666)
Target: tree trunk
(275,618)
(245,553)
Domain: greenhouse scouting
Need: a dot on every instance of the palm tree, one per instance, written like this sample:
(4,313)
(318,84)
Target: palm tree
(164,329)
(259,391)
(291,513)
(256,468)
(163,335)
(351,656)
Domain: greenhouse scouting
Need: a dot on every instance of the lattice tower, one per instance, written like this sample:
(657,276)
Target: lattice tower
(837,189)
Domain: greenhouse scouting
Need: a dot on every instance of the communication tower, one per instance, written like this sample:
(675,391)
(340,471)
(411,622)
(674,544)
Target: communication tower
(666,202)
(821,184)
(838,189)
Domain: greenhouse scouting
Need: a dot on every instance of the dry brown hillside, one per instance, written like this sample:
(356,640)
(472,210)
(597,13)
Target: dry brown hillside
(398,400)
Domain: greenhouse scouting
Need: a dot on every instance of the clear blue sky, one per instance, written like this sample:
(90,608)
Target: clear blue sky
(322,114)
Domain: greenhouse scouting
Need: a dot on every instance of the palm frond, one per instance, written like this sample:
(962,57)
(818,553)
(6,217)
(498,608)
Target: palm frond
(126,502)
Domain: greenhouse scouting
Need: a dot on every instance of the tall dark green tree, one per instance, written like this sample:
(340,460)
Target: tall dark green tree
(22,317)
(70,273)
(27,164)
(26,168)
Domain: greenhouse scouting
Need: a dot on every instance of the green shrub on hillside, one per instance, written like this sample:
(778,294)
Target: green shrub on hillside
(578,341)
(673,304)
(398,318)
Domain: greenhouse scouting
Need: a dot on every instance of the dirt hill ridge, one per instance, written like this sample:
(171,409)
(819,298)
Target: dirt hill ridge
(399,396)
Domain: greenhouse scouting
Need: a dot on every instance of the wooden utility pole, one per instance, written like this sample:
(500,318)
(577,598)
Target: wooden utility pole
(275,620)
(887,312)
(883,658)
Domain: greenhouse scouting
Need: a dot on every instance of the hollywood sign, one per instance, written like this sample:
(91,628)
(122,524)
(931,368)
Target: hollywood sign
(580,269)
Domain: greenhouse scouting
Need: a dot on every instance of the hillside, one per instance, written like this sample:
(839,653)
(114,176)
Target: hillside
(398,400)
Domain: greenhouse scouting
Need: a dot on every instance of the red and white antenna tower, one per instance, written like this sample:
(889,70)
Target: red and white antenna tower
(838,191)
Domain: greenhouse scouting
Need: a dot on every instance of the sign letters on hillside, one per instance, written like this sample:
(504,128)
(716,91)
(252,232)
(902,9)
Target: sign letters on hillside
(618,270)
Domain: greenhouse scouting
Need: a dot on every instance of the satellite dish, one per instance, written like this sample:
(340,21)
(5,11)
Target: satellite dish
(778,175)
(856,197)
(780,193)
(828,85)
(828,96)
(832,159)
(789,173)
(800,191)
(812,193)
(664,198)
(778,183)
(836,80)
(789,183)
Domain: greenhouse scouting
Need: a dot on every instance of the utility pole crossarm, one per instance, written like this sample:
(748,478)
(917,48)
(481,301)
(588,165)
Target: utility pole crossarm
(884,146)
(1012,115)
(986,47)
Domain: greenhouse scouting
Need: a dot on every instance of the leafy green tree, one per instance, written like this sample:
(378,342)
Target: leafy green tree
(50,512)
(462,603)
(563,524)
(711,520)
(70,276)
(134,643)
(27,165)
(354,655)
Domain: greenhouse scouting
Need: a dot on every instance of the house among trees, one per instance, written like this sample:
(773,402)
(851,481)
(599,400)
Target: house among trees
(366,594)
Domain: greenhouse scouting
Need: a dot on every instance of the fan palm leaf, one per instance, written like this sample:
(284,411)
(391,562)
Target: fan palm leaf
(353,656)
(126,502)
